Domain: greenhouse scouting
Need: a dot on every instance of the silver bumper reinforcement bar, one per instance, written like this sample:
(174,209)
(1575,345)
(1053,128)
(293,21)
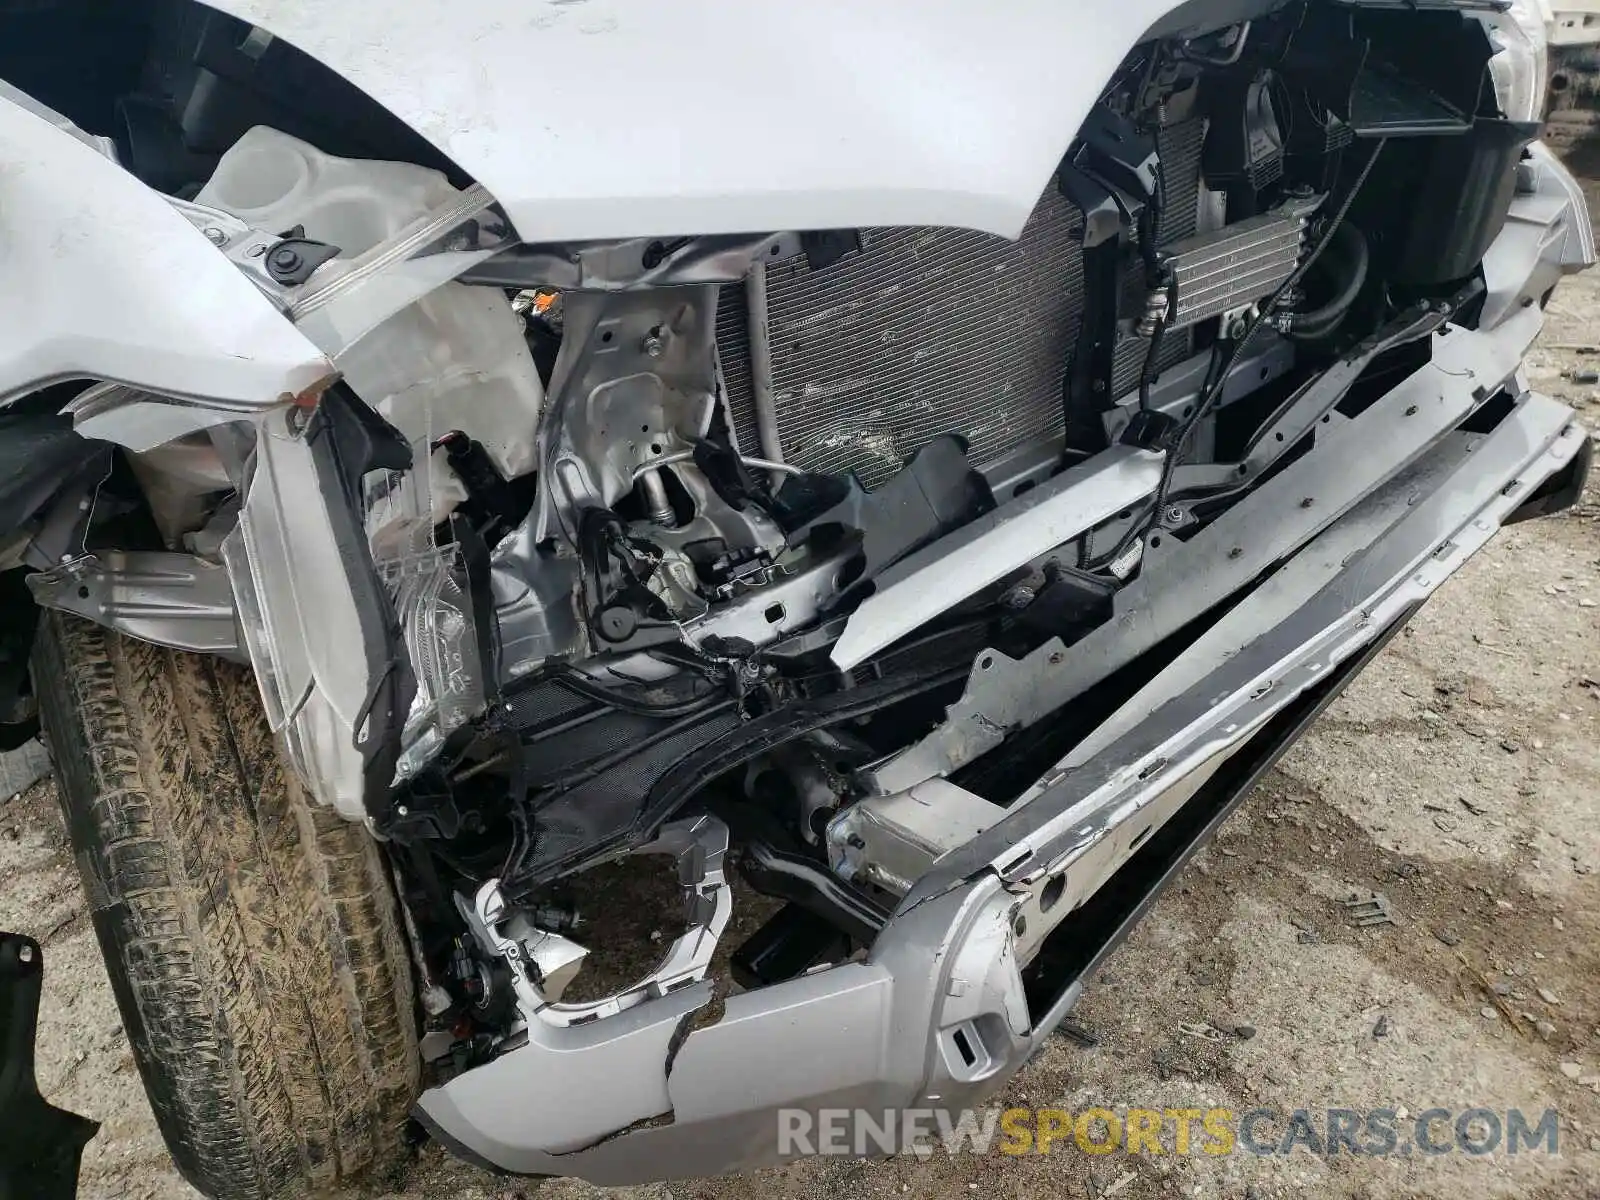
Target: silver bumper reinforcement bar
(938,1014)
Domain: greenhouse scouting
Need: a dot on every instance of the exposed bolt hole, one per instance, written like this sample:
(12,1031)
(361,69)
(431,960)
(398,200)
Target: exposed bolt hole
(83,592)
(1244,468)
(655,447)
(774,614)
(1143,833)
(1053,891)
(1155,542)
(607,336)
(1279,436)
(985,663)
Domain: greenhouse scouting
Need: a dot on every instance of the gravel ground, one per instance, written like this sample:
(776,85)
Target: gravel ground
(1458,776)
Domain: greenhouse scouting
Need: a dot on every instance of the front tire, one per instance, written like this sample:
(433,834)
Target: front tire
(251,935)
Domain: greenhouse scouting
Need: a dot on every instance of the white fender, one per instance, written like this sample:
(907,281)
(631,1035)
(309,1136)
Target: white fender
(104,280)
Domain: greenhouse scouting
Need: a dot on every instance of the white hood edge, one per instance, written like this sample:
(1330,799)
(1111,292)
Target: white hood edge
(621,118)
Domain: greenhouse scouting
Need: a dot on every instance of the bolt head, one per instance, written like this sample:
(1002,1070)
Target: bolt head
(216,236)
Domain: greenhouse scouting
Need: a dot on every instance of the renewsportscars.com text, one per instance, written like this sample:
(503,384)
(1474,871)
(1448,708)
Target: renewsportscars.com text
(1378,1132)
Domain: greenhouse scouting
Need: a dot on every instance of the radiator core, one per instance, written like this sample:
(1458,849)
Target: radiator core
(930,331)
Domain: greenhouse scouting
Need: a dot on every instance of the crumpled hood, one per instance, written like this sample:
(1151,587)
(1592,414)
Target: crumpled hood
(613,118)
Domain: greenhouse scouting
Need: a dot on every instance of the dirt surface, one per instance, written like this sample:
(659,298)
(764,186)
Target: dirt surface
(1460,776)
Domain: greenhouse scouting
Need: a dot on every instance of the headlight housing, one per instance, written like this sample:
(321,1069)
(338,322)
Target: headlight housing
(1521,69)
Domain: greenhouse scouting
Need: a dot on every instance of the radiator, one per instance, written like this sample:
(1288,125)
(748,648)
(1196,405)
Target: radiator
(931,331)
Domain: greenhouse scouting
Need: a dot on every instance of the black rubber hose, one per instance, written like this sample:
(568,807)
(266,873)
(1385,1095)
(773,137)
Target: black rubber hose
(797,879)
(1352,250)
(1152,355)
(574,680)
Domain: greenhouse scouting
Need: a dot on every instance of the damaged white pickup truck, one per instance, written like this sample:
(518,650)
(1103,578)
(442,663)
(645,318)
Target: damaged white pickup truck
(910,466)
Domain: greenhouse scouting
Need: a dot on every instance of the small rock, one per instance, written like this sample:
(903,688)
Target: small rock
(1502,988)
(1244,1032)
(1538,744)
(1545,1029)
(1589,1081)
(1510,747)
(972,1187)
(1487,1012)
(1381,1029)
(1402,1114)
(1306,938)
(1558,923)
(1448,938)
(1548,996)
(1571,1069)
(1586,603)
(1594,1143)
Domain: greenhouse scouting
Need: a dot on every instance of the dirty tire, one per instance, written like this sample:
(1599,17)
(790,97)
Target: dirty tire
(251,935)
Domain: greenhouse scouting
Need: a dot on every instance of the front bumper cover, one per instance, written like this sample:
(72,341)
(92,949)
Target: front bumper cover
(943,1011)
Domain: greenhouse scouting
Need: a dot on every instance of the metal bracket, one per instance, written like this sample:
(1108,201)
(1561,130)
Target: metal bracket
(1350,457)
(173,600)
(699,845)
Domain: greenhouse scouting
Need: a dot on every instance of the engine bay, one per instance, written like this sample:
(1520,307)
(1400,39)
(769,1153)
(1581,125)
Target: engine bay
(798,558)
